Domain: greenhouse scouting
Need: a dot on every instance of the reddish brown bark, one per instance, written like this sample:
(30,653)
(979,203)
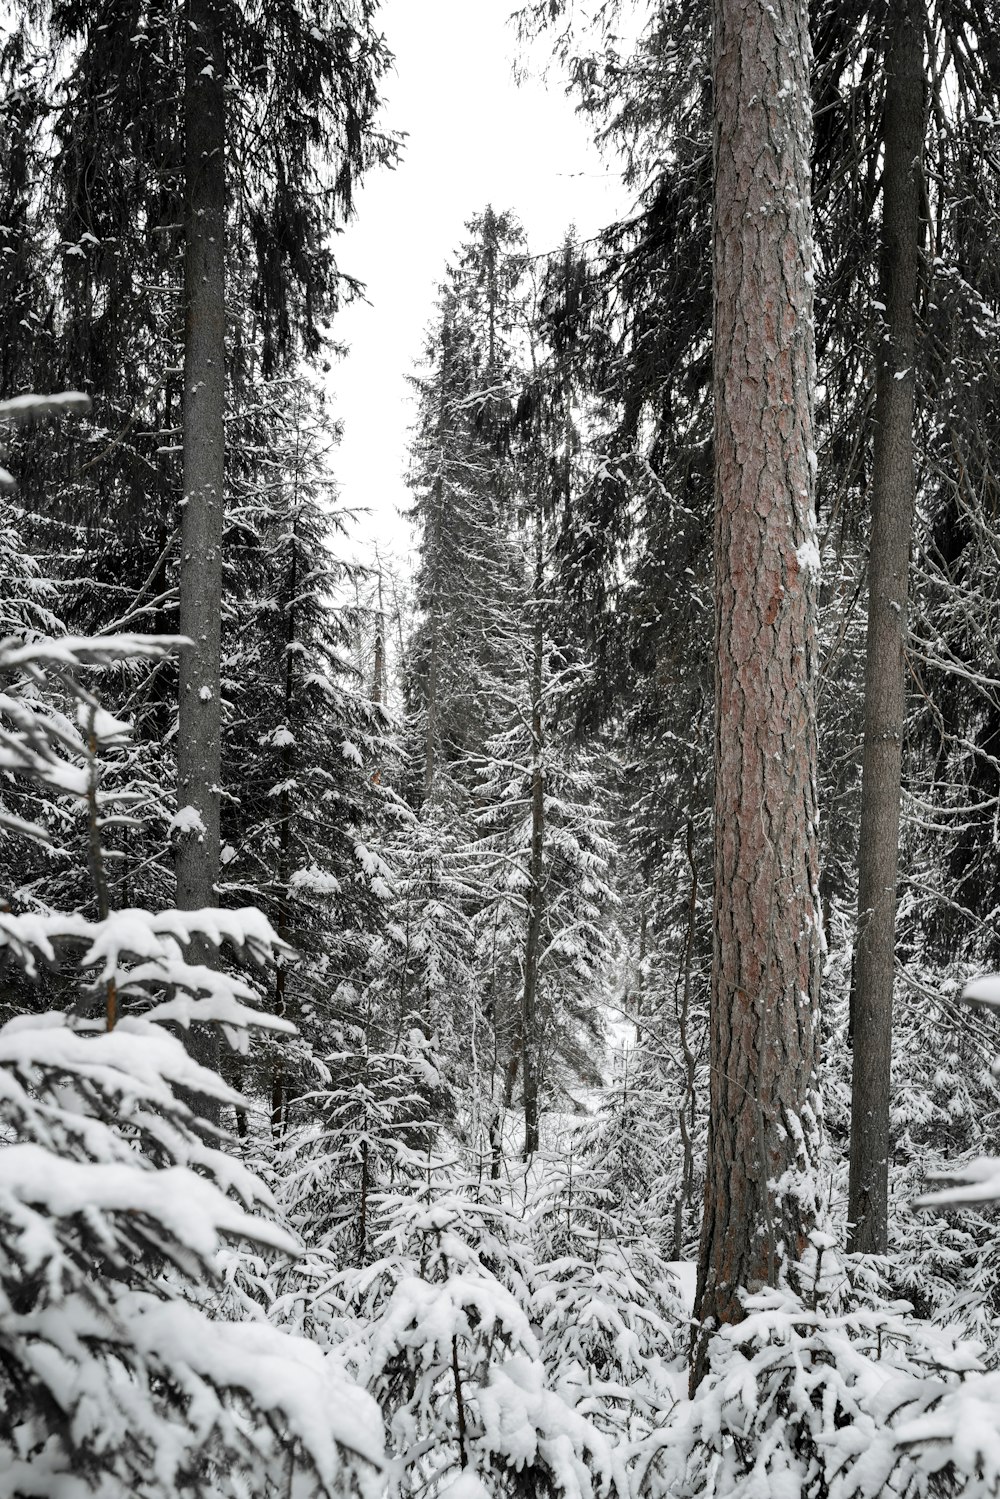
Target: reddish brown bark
(766,958)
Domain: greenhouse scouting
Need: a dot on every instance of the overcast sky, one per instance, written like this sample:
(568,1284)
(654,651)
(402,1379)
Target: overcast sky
(474,136)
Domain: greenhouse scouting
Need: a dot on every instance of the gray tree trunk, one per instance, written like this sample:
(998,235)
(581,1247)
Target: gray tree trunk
(536,893)
(765,974)
(440,496)
(888,570)
(378,671)
(431,708)
(279,1091)
(199,732)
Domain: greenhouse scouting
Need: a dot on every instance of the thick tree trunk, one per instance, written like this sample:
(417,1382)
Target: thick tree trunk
(888,569)
(199,731)
(536,894)
(765,972)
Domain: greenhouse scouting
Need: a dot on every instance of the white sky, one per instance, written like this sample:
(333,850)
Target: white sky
(474,136)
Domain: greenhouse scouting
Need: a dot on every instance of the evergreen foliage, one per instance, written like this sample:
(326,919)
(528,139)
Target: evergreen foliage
(114,1200)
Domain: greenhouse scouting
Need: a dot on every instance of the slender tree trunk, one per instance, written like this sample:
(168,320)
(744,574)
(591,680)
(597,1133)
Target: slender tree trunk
(640,981)
(430,726)
(765,971)
(199,758)
(279,1090)
(378,673)
(443,425)
(512,1069)
(490,254)
(364,1188)
(888,570)
(529,1025)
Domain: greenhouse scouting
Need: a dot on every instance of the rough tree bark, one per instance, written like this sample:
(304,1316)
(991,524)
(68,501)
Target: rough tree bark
(762,1126)
(888,571)
(199,729)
